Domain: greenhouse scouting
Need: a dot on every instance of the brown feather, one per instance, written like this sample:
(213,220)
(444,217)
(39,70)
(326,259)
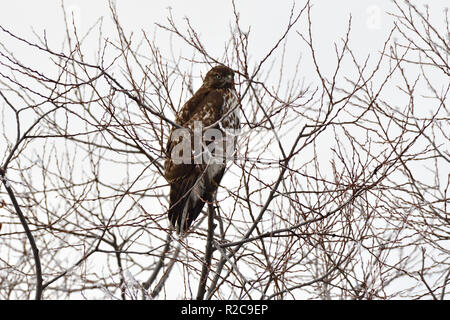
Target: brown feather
(186,193)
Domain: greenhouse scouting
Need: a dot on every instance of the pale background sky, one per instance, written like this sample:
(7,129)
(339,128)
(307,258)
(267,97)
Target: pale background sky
(370,23)
(211,18)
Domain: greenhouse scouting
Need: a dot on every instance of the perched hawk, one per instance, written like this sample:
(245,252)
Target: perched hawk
(194,181)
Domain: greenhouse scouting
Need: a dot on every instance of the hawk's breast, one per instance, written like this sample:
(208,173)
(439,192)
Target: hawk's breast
(230,110)
(226,147)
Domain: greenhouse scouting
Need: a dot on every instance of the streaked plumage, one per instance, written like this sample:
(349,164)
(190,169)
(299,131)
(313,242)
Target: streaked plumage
(192,185)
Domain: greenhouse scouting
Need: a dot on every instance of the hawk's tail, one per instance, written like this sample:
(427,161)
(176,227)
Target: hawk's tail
(186,203)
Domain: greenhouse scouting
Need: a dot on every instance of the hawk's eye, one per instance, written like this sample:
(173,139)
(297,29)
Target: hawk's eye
(218,76)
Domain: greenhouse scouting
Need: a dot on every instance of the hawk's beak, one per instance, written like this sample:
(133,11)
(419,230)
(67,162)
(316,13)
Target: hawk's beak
(229,78)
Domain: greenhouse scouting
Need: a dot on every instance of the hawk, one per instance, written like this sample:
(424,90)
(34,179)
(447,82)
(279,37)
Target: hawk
(193,182)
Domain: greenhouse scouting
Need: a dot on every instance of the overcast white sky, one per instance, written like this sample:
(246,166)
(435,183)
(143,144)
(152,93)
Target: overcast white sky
(212,18)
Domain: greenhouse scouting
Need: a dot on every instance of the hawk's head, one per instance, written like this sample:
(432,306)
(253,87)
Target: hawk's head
(219,77)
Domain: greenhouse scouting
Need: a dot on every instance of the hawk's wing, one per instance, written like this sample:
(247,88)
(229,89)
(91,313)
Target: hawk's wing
(205,106)
(188,191)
